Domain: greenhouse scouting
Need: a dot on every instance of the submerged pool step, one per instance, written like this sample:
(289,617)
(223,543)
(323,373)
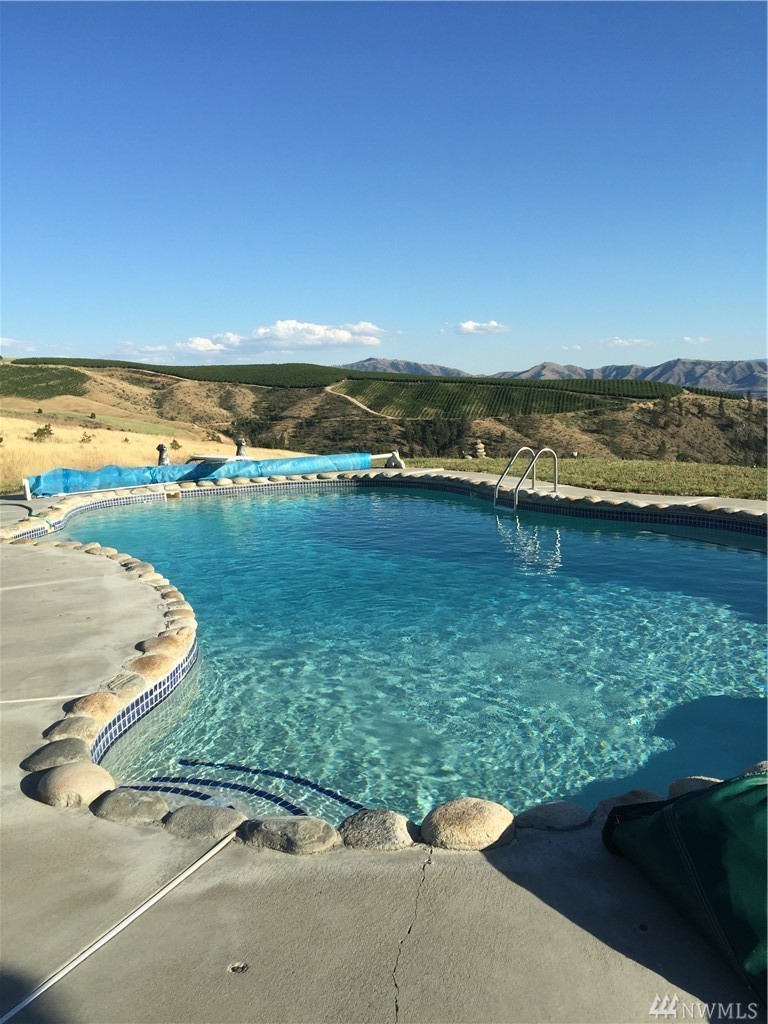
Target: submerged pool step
(238,787)
(175,790)
(273,773)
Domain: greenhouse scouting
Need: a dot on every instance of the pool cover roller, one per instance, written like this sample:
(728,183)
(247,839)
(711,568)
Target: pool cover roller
(706,852)
(71,481)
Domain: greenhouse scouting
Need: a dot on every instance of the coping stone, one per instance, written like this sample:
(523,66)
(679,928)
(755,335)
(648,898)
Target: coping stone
(76,727)
(634,796)
(57,753)
(128,685)
(196,821)
(372,829)
(126,804)
(102,705)
(554,815)
(298,835)
(74,785)
(154,667)
(691,784)
(468,823)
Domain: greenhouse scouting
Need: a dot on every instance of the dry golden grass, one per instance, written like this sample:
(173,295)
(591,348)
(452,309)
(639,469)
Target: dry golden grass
(22,457)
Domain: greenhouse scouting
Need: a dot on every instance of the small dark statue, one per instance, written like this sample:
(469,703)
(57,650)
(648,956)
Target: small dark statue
(240,442)
(162,455)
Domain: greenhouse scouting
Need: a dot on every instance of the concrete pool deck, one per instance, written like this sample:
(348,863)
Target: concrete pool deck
(550,928)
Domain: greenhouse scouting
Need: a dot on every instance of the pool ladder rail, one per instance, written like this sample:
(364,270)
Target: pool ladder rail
(531,467)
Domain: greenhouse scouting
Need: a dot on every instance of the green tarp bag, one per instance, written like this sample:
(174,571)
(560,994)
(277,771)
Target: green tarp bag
(706,851)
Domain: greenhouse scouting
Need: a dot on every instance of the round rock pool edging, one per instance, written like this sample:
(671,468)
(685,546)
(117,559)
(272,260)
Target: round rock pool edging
(69,761)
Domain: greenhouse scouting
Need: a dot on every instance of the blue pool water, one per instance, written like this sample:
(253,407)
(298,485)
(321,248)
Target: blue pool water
(404,648)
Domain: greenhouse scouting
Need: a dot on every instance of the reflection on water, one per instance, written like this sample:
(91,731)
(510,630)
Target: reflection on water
(534,549)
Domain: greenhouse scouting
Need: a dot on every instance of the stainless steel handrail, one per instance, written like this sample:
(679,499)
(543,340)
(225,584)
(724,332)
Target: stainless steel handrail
(531,466)
(509,465)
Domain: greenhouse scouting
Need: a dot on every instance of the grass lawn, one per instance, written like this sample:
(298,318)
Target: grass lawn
(643,477)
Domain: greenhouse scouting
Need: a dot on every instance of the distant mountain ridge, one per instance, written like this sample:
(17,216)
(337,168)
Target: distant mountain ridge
(404,366)
(738,376)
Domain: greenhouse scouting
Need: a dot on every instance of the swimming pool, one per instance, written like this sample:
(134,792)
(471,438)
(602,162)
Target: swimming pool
(397,649)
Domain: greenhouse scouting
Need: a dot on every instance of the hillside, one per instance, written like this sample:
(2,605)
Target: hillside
(602,418)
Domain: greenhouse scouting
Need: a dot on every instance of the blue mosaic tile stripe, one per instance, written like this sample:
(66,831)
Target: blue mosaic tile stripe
(205,492)
(567,508)
(42,531)
(178,790)
(273,774)
(37,534)
(128,499)
(240,787)
(141,706)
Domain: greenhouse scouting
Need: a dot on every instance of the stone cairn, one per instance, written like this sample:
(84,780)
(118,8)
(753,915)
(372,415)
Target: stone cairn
(477,449)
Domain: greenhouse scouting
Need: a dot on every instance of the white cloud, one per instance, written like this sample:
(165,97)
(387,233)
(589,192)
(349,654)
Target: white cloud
(625,342)
(288,335)
(14,344)
(695,341)
(229,338)
(473,327)
(571,348)
(204,345)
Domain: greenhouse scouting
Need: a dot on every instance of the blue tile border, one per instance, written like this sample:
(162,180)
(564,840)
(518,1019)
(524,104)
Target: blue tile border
(155,694)
(566,507)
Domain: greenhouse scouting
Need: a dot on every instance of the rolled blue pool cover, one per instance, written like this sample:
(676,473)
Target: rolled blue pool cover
(70,481)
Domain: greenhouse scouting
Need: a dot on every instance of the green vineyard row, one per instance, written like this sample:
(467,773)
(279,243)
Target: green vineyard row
(426,399)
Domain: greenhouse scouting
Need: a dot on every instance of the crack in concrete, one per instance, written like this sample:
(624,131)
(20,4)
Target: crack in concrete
(407,933)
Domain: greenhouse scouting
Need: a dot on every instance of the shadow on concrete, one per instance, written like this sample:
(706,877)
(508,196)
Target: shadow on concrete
(609,899)
(28,783)
(14,988)
(714,736)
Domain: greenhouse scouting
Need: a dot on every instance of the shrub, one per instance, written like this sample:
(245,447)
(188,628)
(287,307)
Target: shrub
(86,438)
(42,433)
(174,445)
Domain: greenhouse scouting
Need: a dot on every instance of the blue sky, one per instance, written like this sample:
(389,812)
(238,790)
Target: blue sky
(483,185)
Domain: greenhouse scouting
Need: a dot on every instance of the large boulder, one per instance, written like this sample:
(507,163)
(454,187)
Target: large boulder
(468,824)
(300,834)
(198,821)
(74,785)
(125,804)
(371,829)
(60,751)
